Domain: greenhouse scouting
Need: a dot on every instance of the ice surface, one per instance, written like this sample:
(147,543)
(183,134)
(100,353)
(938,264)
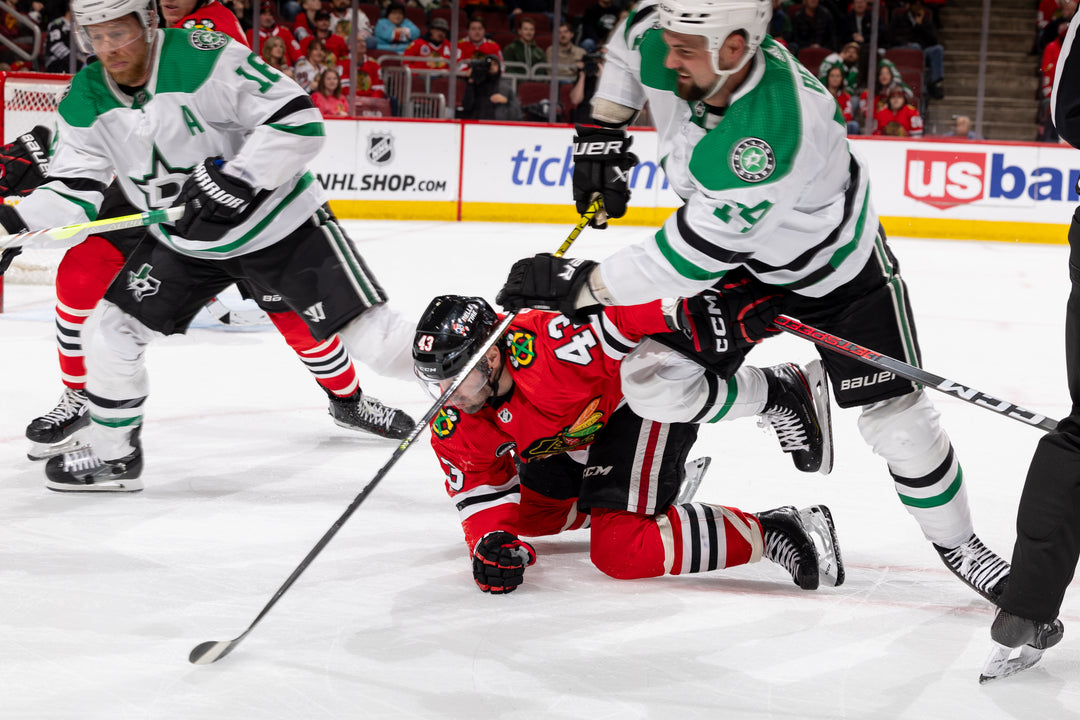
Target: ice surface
(102,597)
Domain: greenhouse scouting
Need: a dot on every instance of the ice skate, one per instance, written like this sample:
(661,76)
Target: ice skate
(59,430)
(798,410)
(804,543)
(1018,644)
(363,412)
(83,471)
(978,566)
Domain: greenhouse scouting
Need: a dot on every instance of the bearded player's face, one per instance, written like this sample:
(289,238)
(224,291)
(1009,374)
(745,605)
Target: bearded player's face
(123,49)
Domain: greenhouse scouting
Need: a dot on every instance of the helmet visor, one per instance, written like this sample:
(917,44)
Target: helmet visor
(110,36)
(470,396)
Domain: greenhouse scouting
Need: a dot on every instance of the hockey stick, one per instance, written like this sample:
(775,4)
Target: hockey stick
(213,650)
(910,372)
(57,234)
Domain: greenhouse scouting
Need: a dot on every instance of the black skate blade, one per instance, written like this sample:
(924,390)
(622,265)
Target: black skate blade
(211,651)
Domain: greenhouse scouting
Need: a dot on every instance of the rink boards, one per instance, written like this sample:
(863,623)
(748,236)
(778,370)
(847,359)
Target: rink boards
(451,170)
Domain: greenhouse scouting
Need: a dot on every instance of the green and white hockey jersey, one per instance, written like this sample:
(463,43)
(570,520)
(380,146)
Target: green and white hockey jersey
(206,96)
(770,183)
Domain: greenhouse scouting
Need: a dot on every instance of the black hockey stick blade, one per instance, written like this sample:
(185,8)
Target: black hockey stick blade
(211,651)
(910,372)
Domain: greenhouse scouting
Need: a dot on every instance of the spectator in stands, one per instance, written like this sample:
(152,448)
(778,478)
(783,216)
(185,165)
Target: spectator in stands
(887,76)
(433,49)
(242,10)
(395,32)
(341,25)
(834,83)
(523,49)
(368,80)
(847,60)
(585,87)
(304,22)
(311,66)
(476,42)
(1050,54)
(812,26)
(860,21)
(58,44)
(596,24)
(963,129)
(334,44)
(488,95)
(780,24)
(270,27)
(328,97)
(1053,28)
(898,118)
(915,29)
(273,54)
(570,56)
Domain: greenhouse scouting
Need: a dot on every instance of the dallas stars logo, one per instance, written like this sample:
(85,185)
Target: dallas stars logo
(162,184)
(752,159)
(141,284)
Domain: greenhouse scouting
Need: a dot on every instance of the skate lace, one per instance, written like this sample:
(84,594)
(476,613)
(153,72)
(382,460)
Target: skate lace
(81,459)
(782,551)
(789,430)
(977,564)
(70,405)
(376,414)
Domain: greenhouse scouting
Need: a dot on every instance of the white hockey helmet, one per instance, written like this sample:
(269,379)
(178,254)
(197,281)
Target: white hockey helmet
(91,12)
(715,20)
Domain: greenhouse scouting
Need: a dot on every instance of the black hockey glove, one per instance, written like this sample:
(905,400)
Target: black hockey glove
(499,561)
(213,202)
(737,317)
(602,166)
(24,163)
(546,282)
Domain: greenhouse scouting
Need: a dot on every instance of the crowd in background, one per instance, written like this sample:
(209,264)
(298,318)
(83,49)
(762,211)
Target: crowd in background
(508,48)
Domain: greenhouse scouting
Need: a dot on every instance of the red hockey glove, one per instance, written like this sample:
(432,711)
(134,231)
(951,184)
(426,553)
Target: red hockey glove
(499,561)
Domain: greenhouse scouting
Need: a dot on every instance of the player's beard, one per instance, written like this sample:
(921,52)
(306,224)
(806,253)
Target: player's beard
(134,68)
(688,90)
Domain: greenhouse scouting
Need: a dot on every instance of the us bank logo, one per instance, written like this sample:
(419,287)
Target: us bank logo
(946,179)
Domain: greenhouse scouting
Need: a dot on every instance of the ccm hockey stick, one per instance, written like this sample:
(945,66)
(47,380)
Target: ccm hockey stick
(910,372)
(213,650)
(50,236)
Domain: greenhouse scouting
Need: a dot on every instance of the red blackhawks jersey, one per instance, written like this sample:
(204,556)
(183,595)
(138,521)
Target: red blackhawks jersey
(214,16)
(566,386)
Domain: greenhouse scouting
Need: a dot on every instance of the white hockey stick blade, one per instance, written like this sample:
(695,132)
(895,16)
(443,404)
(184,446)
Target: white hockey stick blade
(55,236)
(695,473)
(236,317)
(819,390)
(819,524)
(1004,661)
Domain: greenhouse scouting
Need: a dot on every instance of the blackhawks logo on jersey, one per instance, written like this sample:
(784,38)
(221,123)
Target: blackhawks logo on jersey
(581,432)
(445,423)
(520,348)
(753,160)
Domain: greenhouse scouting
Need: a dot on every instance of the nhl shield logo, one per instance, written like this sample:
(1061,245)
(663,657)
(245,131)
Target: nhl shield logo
(380,148)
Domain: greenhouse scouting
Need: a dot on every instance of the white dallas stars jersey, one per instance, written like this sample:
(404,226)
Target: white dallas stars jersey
(770,183)
(206,96)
